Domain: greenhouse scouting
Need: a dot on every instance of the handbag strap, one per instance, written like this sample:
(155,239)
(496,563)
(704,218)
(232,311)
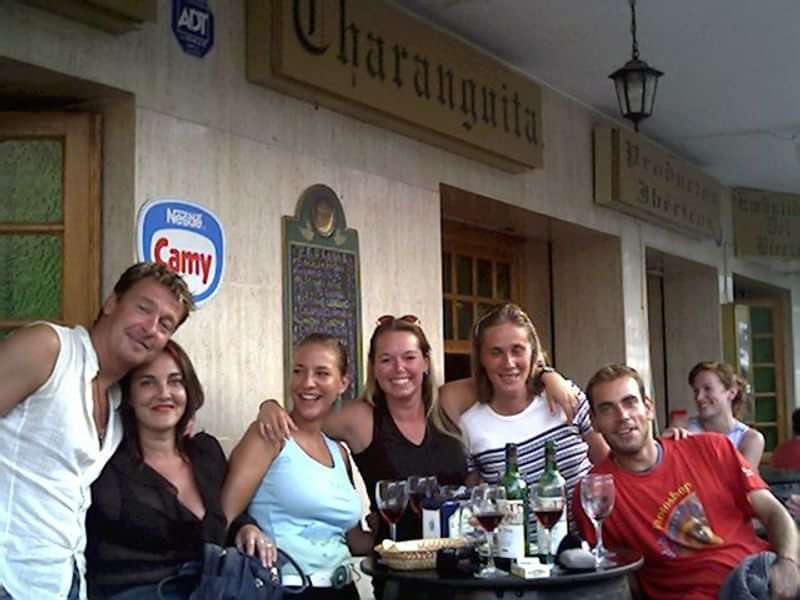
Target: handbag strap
(213,554)
(303,577)
(188,572)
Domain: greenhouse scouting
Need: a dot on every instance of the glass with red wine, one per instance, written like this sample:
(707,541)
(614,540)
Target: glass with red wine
(488,504)
(392,499)
(547,503)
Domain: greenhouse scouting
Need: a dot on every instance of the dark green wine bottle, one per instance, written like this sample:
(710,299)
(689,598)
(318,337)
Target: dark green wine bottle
(551,509)
(512,535)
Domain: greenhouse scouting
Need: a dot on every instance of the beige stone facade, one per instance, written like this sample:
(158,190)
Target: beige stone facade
(179,126)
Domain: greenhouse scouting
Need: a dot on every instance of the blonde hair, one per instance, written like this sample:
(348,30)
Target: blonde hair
(505,313)
(163,275)
(373,393)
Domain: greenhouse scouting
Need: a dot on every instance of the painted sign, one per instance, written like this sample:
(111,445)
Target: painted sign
(188,239)
(380,64)
(767,224)
(321,279)
(638,178)
(193,26)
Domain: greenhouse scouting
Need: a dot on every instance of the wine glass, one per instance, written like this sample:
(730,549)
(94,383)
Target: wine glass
(419,488)
(548,502)
(597,500)
(392,499)
(488,506)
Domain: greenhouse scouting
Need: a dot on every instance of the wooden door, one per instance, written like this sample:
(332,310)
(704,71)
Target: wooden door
(49,218)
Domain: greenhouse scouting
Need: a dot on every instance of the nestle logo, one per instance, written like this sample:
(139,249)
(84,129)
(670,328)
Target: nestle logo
(184,218)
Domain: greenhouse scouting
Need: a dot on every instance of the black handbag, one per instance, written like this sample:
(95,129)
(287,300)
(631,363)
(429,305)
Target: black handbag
(228,574)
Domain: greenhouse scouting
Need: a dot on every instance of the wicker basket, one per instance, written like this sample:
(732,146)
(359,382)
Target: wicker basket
(413,555)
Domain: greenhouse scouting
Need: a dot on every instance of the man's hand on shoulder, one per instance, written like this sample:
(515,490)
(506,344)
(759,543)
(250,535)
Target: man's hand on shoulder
(675,433)
(27,358)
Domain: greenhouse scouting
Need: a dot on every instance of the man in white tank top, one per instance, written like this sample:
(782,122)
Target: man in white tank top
(59,425)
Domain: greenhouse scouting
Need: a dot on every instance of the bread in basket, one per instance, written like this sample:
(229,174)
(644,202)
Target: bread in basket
(413,555)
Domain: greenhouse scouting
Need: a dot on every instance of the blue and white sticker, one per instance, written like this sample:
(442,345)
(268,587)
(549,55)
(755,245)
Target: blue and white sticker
(188,239)
(193,26)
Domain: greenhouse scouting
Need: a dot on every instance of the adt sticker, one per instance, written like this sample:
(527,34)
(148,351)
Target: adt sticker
(188,239)
(193,26)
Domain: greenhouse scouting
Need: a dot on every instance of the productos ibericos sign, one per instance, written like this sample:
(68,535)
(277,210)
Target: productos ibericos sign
(375,62)
(636,177)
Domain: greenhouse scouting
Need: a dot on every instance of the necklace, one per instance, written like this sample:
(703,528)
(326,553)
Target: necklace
(100,412)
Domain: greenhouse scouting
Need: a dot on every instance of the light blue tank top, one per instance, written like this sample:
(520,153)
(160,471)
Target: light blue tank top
(736,435)
(308,507)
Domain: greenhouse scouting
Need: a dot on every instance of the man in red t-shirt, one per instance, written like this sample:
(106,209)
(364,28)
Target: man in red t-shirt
(686,506)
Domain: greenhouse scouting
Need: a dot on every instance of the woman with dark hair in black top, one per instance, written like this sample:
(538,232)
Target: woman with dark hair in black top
(158,500)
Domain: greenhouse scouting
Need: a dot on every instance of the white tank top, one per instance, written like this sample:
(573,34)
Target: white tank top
(49,456)
(736,435)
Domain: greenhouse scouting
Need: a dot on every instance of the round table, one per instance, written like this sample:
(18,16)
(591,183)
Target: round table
(608,584)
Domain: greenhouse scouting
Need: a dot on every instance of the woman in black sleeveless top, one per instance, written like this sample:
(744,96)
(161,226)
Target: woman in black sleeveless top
(408,435)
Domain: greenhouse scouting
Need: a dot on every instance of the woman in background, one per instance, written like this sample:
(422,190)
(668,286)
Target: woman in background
(719,393)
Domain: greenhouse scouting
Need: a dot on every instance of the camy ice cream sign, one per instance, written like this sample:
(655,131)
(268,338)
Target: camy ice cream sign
(188,239)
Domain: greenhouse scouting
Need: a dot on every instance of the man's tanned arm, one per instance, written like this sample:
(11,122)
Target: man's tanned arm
(27,358)
(784,578)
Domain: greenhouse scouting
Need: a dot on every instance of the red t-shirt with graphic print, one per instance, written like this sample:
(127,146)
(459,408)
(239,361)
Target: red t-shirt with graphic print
(690,516)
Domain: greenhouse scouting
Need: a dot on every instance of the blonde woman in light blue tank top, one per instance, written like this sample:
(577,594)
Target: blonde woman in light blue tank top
(301,492)
(719,393)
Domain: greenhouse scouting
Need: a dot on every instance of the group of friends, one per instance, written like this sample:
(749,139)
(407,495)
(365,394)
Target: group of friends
(106,490)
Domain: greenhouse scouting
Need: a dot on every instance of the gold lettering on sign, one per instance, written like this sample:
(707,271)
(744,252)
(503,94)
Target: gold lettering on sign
(636,177)
(370,59)
(767,224)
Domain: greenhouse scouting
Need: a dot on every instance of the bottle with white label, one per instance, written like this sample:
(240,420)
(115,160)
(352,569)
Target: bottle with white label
(512,533)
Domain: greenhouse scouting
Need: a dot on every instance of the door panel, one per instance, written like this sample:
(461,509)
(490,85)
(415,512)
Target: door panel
(49,218)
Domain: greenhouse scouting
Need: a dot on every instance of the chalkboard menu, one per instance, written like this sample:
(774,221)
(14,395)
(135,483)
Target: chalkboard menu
(322,284)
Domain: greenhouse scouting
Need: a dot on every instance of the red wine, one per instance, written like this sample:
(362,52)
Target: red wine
(489,520)
(548,518)
(415,501)
(392,515)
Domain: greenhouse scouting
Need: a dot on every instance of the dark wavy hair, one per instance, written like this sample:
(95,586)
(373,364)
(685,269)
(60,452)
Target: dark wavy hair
(194,399)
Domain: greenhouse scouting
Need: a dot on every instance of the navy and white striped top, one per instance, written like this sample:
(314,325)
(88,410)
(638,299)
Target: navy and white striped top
(486,433)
